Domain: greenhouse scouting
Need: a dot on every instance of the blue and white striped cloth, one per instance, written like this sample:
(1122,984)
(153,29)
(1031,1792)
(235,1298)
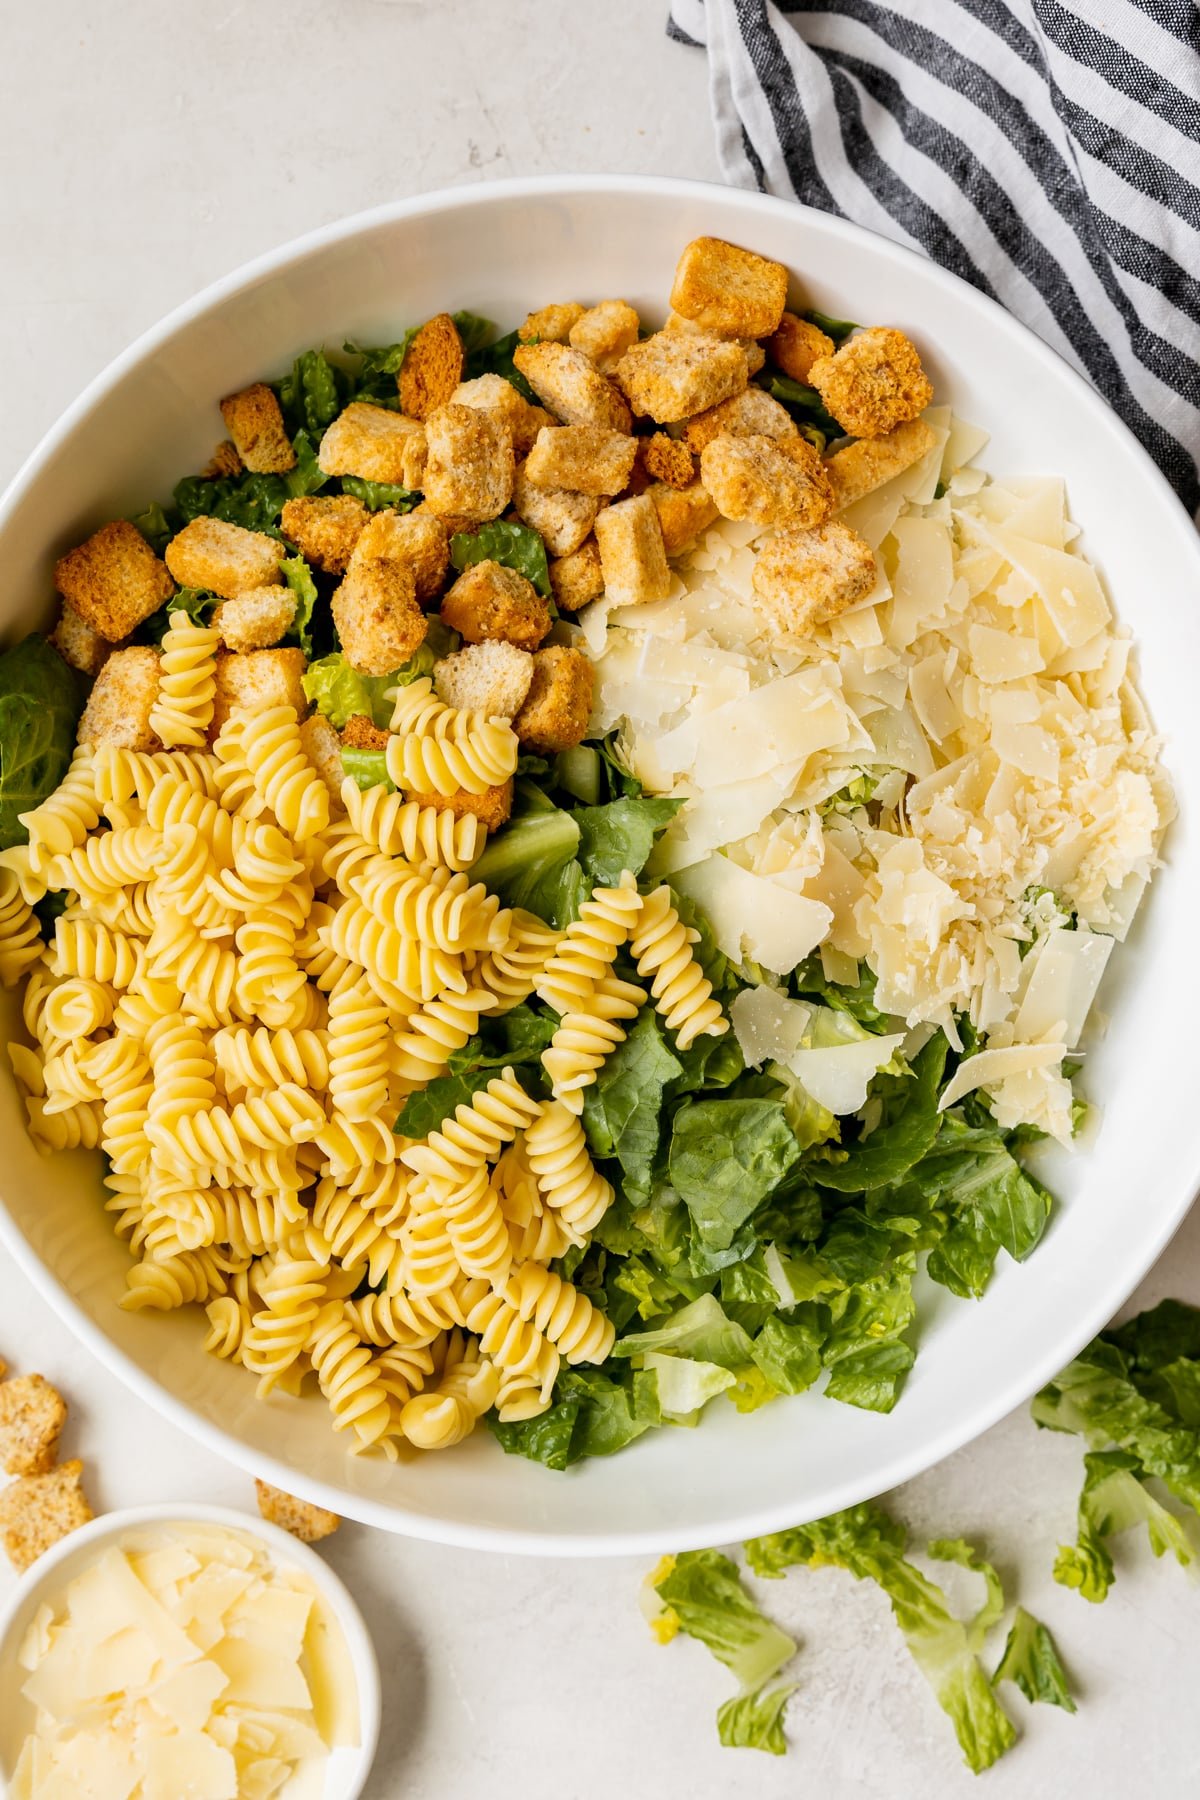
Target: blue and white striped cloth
(1048,151)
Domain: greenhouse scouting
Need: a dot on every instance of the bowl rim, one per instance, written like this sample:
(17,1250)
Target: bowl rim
(283,1547)
(896,1465)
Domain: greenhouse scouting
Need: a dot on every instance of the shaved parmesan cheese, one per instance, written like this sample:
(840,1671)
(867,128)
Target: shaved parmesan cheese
(1060,987)
(752,917)
(837,1076)
(990,1066)
(768,1026)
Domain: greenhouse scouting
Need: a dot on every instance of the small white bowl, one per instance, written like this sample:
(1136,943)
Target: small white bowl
(348,1767)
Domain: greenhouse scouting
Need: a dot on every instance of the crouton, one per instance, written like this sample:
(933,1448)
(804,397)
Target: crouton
(605,332)
(795,346)
(305,1521)
(223,462)
(556,711)
(572,387)
(551,324)
(666,459)
(491,601)
(325,528)
(32,1415)
(113,580)
(563,519)
(873,383)
(866,464)
(225,559)
(493,394)
(258,679)
(491,678)
(470,469)
(756,356)
(361,733)
(37,1510)
(578,578)
(255,423)
(375,609)
(631,552)
(372,443)
(78,643)
(752,412)
(452,523)
(491,808)
(585,459)
(432,367)
(119,705)
(768,481)
(802,578)
(323,747)
(728,290)
(256,619)
(417,539)
(683,513)
(675,374)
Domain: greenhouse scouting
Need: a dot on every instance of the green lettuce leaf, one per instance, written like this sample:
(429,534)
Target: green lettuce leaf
(593,1414)
(155,527)
(518,547)
(755,1721)
(377,496)
(198,605)
(368,768)
(701,1593)
(789,1354)
(311,394)
(872,1377)
(685,1384)
(701,1330)
(298,576)
(622,1110)
(620,836)
(340,692)
(837,329)
(1115,1499)
(531,861)
(40,704)
(1031,1659)
(908,1128)
(307,477)
(725,1157)
(497,359)
(254,501)
(522,1035)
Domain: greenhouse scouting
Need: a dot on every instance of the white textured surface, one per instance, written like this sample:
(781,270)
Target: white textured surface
(148,151)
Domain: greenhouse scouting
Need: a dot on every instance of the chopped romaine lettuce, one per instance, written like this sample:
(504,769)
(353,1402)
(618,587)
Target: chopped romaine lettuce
(1031,1660)
(40,704)
(505,541)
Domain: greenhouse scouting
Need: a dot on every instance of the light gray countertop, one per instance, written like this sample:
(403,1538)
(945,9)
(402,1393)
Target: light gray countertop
(146,150)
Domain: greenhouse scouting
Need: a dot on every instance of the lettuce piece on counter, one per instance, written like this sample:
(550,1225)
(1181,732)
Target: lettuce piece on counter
(755,1721)
(870,1545)
(1115,1498)
(518,547)
(40,702)
(1031,1660)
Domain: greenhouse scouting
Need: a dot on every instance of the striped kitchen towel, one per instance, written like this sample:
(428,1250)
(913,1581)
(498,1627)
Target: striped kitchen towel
(1048,151)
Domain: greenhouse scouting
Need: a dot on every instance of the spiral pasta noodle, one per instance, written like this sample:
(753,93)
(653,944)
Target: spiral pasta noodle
(587,952)
(20,939)
(420,834)
(63,821)
(444,1414)
(585,1038)
(476,1133)
(432,906)
(437,749)
(345,1370)
(187,682)
(662,948)
(511,971)
(270,745)
(260,1058)
(569,1182)
(437,1031)
(577,1329)
(96,952)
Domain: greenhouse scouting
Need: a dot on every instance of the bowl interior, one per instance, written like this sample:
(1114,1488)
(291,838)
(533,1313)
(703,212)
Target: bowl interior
(499,251)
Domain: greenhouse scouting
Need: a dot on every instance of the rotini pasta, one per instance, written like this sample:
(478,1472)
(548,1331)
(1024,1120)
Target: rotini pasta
(585,1038)
(587,952)
(187,683)
(283,777)
(436,749)
(20,939)
(420,834)
(569,1183)
(662,948)
(444,1414)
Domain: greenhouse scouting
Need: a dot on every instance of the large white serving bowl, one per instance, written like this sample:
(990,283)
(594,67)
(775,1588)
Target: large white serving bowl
(501,249)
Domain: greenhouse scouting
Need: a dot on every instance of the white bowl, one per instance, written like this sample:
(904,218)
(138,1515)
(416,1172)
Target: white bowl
(500,249)
(348,1767)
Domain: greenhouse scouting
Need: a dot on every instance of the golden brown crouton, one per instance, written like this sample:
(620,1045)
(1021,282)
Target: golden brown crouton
(632,553)
(361,733)
(305,1521)
(563,519)
(432,367)
(491,601)
(258,679)
(493,394)
(323,748)
(756,356)
(256,619)
(584,459)
(556,711)
(491,678)
(374,444)
(32,1415)
(223,461)
(78,643)
(766,480)
(752,412)
(605,332)
(796,345)
(255,423)
(667,459)
(417,539)
(225,559)
(729,290)
(324,528)
(119,705)
(551,324)
(113,580)
(866,464)
(491,808)
(376,613)
(675,374)
(578,578)
(572,387)
(37,1510)
(470,469)
(873,383)
(683,513)
(802,578)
